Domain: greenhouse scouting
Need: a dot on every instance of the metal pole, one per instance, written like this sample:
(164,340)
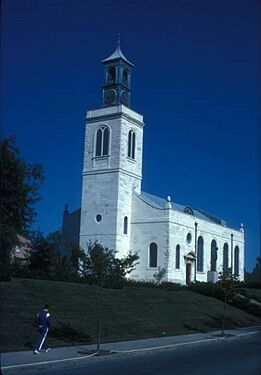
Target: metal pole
(196,242)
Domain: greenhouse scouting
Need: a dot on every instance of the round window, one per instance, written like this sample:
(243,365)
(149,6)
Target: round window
(98,218)
(189,238)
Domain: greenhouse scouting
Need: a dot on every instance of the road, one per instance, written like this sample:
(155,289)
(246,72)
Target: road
(234,356)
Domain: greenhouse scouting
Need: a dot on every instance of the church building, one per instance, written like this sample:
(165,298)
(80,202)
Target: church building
(188,243)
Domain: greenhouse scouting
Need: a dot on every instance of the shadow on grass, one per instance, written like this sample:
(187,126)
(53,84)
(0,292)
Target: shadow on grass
(65,332)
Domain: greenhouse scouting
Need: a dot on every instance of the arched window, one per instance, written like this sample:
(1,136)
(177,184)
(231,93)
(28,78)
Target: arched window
(178,257)
(111,76)
(153,255)
(125,225)
(102,141)
(200,255)
(213,261)
(131,144)
(236,261)
(225,257)
(188,210)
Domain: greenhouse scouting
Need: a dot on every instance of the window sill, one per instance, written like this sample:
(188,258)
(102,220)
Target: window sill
(131,160)
(102,157)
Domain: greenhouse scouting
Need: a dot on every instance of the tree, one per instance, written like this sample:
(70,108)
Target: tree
(42,259)
(227,283)
(55,258)
(255,275)
(159,276)
(20,182)
(102,269)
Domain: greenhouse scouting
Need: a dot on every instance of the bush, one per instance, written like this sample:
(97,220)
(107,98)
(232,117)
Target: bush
(140,283)
(252,285)
(174,287)
(207,289)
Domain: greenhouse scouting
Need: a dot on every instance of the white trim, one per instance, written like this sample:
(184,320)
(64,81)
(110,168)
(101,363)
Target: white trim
(40,346)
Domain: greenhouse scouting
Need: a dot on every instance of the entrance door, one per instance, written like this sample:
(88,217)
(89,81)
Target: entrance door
(188,273)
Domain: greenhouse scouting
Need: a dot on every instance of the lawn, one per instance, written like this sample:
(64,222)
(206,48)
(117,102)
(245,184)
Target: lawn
(129,313)
(252,293)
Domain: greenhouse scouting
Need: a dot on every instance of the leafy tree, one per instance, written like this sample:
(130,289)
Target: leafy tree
(20,182)
(102,269)
(159,276)
(42,259)
(53,257)
(227,282)
(255,275)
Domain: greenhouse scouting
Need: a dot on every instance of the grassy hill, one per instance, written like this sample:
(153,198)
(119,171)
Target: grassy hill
(129,313)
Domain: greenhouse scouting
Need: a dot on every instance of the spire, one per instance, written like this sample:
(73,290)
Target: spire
(117,78)
(117,54)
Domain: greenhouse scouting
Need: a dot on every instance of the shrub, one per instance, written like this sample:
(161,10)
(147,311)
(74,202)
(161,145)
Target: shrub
(171,286)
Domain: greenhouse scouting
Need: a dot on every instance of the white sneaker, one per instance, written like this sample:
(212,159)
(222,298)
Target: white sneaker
(47,350)
(36,351)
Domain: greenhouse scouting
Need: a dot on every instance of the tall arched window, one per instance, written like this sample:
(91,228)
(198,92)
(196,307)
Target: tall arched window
(102,141)
(125,225)
(200,255)
(213,261)
(177,257)
(131,144)
(225,257)
(236,261)
(153,255)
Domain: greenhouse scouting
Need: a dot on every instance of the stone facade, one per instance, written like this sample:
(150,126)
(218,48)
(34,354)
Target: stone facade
(190,244)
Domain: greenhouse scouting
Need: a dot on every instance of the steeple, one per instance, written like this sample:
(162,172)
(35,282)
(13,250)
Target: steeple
(117,78)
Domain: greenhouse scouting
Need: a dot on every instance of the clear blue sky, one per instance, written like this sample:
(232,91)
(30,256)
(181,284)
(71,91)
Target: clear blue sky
(196,81)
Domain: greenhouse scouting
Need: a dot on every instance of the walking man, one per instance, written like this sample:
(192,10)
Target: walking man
(44,322)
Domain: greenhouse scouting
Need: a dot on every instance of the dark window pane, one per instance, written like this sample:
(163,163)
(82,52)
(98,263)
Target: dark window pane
(225,257)
(200,255)
(125,225)
(111,76)
(177,257)
(129,144)
(213,264)
(106,134)
(153,254)
(236,261)
(133,145)
(98,143)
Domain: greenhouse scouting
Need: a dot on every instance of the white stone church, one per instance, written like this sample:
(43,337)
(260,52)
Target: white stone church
(189,243)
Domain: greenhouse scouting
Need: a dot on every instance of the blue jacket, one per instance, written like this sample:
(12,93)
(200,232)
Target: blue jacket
(43,319)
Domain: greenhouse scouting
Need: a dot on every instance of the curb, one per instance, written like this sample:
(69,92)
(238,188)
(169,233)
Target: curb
(46,364)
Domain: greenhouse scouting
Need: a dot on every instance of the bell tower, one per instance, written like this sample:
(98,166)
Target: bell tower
(117,79)
(112,168)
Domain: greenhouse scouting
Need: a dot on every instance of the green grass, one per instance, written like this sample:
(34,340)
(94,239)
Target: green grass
(130,313)
(253,293)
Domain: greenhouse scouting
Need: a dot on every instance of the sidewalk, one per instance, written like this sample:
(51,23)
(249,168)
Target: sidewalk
(27,360)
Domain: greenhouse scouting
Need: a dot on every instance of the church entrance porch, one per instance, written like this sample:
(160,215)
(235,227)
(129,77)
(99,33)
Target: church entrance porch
(190,262)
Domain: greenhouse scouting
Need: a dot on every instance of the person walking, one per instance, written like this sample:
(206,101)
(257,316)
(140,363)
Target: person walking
(44,322)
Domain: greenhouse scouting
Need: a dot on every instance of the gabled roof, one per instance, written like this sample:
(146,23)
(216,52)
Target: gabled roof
(117,55)
(160,203)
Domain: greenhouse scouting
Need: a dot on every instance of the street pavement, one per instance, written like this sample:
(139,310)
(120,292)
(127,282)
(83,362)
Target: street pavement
(23,361)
